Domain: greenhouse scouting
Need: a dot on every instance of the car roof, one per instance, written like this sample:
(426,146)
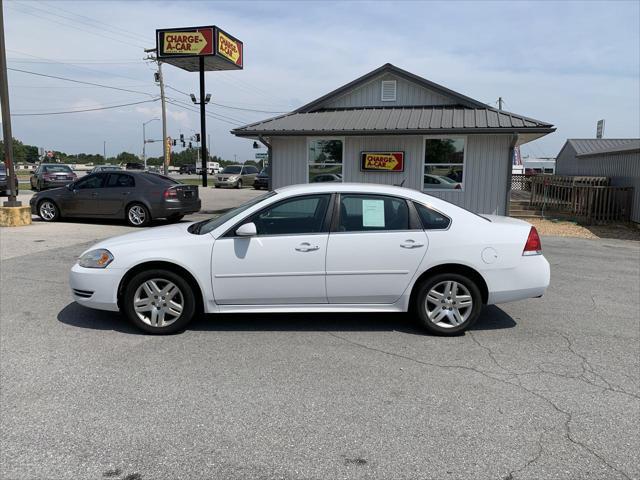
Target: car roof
(349,187)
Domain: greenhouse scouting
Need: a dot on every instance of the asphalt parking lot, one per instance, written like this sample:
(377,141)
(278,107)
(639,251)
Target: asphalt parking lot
(540,389)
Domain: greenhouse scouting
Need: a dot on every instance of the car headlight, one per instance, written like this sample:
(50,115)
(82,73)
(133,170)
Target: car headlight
(99,258)
(233,177)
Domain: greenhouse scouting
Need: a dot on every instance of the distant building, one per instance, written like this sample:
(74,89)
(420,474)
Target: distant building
(616,158)
(393,127)
(534,165)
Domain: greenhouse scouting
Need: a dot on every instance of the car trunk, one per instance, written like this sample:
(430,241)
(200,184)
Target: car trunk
(186,193)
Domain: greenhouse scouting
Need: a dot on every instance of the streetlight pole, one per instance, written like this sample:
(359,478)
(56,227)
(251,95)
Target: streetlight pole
(104,151)
(144,141)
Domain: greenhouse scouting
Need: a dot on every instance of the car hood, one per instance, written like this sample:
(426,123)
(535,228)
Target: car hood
(140,238)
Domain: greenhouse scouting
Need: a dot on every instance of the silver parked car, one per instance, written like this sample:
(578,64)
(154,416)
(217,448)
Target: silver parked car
(236,176)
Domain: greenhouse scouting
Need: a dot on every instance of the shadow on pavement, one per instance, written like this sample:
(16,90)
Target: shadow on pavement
(491,318)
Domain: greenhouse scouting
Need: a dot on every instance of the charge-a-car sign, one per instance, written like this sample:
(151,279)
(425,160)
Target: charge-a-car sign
(382,161)
(186,42)
(229,48)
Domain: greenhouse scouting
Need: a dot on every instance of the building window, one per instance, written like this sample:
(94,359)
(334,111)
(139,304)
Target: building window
(444,163)
(325,160)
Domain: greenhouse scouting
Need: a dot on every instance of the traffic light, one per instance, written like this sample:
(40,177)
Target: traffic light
(182,137)
(197,137)
(174,142)
(190,145)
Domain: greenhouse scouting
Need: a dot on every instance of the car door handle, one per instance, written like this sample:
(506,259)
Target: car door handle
(307,247)
(94,194)
(411,244)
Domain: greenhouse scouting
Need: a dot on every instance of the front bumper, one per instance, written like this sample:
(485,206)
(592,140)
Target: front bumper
(96,287)
(225,183)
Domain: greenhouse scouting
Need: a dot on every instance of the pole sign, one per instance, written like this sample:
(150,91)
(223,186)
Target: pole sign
(183,46)
(262,156)
(167,156)
(382,161)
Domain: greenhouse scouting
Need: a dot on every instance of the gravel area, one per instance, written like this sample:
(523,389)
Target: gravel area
(564,228)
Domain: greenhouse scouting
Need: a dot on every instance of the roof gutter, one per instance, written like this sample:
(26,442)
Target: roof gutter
(290,133)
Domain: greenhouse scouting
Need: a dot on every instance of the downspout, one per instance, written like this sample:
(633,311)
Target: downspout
(268,145)
(507,201)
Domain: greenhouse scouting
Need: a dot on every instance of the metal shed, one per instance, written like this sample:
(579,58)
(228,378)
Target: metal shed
(616,158)
(447,144)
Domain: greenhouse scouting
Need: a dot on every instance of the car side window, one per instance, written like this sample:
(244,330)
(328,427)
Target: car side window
(370,213)
(295,216)
(431,219)
(95,180)
(120,180)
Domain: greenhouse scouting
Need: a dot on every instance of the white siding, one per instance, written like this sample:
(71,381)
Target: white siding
(407,93)
(486,176)
(622,168)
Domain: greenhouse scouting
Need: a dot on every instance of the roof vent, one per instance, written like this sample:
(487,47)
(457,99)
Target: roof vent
(388,91)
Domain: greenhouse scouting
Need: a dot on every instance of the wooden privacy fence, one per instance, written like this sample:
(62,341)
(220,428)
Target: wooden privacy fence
(591,199)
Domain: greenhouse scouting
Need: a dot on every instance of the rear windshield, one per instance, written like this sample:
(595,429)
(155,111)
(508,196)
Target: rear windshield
(235,169)
(158,179)
(56,168)
(2,168)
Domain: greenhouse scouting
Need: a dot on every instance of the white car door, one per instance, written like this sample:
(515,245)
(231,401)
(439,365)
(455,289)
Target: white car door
(284,263)
(373,252)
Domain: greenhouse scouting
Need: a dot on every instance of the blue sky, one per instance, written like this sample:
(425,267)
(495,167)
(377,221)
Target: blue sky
(567,63)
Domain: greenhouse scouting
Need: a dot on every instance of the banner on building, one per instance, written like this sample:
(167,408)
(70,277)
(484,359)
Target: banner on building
(382,161)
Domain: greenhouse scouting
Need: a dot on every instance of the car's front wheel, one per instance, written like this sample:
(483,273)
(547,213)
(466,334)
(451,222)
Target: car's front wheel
(159,302)
(448,303)
(138,215)
(239,184)
(48,211)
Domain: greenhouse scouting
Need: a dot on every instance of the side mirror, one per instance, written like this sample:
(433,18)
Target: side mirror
(247,230)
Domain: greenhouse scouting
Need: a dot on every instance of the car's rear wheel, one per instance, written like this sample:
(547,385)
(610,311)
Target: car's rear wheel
(159,302)
(448,303)
(48,211)
(138,215)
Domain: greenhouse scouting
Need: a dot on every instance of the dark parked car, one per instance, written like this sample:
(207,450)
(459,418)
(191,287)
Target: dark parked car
(137,197)
(188,169)
(51,175)
(106,168)
(262,180)
(327,177)
(134,166)
(4,181)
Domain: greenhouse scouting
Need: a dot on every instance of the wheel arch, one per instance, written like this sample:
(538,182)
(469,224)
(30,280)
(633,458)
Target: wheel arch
(139,201)
(458,268)
(164,265)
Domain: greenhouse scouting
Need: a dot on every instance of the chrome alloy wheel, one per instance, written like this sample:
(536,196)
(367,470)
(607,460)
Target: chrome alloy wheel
(47,210)
(158,302)
(137,215)
(448,304)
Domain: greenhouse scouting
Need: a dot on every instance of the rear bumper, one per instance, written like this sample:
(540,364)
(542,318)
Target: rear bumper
(529,279)
(168,209)
(95,287)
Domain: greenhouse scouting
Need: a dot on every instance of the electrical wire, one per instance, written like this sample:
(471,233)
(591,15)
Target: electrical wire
(208,114)
(225,106)
(237,120)
(79,81)
(82,110)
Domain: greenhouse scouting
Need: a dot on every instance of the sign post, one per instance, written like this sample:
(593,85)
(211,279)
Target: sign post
(600,129)
(200,49)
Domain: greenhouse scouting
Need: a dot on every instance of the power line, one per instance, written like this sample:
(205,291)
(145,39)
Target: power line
(242,122)
(226,106)
(79,81)
(82,110)
(209,114)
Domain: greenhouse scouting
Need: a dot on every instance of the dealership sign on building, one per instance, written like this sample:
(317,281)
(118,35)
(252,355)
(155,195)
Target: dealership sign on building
(382,161)
(182,47)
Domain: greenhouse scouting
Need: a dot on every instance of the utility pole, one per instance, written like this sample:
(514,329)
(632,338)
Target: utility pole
(104,151)
(499,103)
(6,120)
(160,80)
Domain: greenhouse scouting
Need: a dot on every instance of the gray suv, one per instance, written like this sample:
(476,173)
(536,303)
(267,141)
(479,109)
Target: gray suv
(236,176)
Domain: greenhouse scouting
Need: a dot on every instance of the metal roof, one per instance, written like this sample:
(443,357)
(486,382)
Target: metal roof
(401,120)
(597,146)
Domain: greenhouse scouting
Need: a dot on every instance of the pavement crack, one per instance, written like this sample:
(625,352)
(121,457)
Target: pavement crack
(513,380)
(531,461)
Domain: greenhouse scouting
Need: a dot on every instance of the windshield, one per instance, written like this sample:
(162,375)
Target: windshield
(2,168)
(56,168)
(207,226)
(233,169)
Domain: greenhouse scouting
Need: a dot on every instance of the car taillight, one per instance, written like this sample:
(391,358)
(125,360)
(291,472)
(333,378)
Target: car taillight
(170,193)
(533,245)
(47,176)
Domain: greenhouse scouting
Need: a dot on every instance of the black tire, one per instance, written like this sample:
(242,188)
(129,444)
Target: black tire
(176,217)
(137,215)
(239,184)
(48,210)
(448,325)
(186,296)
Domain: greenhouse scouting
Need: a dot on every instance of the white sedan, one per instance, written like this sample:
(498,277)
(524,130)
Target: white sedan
(318,248)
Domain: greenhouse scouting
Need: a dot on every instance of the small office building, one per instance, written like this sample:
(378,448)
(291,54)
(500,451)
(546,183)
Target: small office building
(615,158)
(393,127)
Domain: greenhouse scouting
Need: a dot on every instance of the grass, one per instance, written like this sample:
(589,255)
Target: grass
(191,181)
